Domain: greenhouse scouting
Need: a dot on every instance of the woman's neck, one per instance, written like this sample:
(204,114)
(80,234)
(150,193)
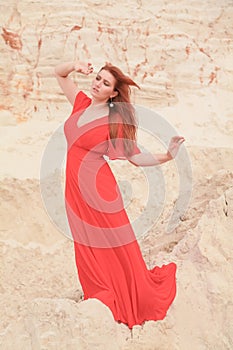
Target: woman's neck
(96,103)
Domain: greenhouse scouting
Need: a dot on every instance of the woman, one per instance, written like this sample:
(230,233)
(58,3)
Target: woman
(108,258)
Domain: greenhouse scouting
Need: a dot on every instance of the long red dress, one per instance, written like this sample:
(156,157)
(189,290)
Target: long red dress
(108,258)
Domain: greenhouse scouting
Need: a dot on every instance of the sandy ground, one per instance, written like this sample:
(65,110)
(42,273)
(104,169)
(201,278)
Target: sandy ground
(40,292)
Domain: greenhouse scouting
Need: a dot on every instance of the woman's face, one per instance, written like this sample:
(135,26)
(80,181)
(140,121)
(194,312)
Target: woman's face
(103,86)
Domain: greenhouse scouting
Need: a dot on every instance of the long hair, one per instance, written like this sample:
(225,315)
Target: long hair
(122,107)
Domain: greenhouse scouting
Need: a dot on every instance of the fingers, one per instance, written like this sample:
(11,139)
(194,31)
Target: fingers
(181,140)
(178,139)
(175,144)
(85,68)
(89,67)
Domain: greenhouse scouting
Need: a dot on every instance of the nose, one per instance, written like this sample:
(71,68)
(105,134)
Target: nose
(98,83)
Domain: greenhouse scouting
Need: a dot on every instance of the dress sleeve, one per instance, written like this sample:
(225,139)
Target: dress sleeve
(117,151)
(81,102)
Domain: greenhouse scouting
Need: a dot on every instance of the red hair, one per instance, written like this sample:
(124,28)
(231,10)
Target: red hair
(122,107)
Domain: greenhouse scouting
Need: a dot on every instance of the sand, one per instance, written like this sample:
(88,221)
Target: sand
(180,54)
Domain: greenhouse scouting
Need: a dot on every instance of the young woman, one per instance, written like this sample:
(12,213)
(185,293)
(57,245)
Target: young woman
(108,258)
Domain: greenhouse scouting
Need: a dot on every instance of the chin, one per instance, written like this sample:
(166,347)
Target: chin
(93,93)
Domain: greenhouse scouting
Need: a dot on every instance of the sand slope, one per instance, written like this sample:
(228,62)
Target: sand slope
(41,296)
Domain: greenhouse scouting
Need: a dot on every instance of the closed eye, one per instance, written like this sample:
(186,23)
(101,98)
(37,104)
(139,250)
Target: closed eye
(106,82)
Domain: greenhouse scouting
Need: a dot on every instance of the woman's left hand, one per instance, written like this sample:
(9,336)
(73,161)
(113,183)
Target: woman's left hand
(174,145)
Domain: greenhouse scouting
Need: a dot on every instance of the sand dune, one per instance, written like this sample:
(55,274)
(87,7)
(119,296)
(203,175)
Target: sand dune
(41,295)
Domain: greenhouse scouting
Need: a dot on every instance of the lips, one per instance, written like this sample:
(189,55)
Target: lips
(94,89)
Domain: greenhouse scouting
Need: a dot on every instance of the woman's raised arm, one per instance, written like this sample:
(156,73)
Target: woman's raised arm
(147,159)
(67,85)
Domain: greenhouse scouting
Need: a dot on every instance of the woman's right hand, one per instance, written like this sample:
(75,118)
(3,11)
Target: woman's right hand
(83,67)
